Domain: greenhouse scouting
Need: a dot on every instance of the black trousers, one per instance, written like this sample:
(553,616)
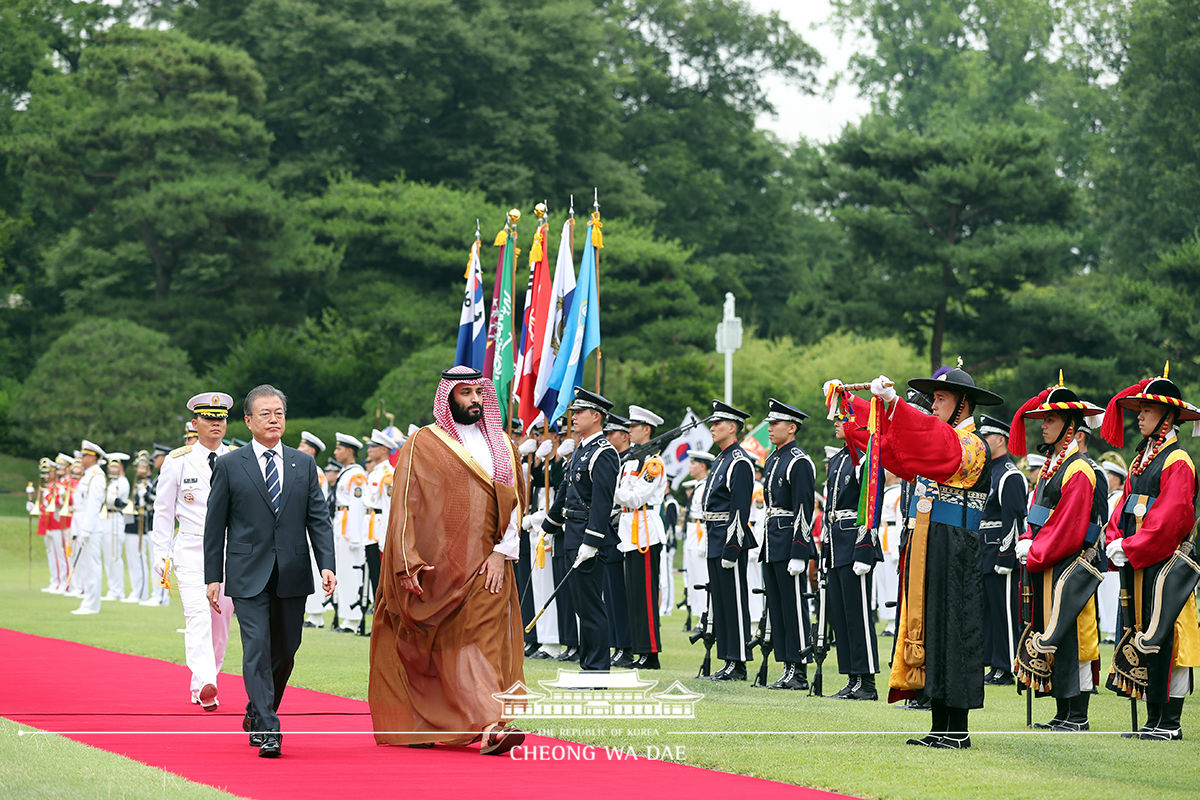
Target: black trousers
(372,555)
(587,595)
(614,597)
(523,570)
(1001,593)
(271,628)
(849,596)
(730,599)
(568,629)
(787,608)
(641,585)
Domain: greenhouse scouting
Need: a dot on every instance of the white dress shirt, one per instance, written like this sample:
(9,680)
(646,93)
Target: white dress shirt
(473,439)
(259,449)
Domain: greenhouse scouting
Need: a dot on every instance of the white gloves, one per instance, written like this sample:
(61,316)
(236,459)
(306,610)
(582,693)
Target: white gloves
(727,564)
(1022,549)
(527,522)
(883,388)
(796,566)
(1002,570)
(860,568)
(527,447)
(1116,552)
(356,549)
(544,449)
(566,448)
(825,387)
(586,551)
(28,506)
(160,568)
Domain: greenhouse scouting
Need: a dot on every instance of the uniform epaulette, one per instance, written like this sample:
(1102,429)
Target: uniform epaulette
(181,451)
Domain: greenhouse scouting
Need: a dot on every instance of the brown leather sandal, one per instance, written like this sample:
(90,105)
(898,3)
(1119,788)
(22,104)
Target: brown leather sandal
(498,740)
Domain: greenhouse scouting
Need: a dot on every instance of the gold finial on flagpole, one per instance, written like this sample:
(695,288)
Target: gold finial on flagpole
(595,198)
(514,216)
(540,211)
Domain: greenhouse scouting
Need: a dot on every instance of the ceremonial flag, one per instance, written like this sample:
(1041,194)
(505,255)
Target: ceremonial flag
(472,341)
(757,443)
(562,295)
(581,333)
(502,362)
(489,357)
(675,456)
(533,331)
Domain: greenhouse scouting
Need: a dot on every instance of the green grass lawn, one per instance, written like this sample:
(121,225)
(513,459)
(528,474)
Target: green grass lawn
(855,748)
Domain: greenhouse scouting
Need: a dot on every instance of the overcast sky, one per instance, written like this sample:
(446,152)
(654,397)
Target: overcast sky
(817,118)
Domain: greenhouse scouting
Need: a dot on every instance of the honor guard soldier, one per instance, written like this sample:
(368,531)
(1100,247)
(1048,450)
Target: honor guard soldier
(1149,540)
(189,434)
(523,568)
(666,570)
(581,514)
(379,499)
(181,495)
(695,535)
(59,526)
(141,503)
(548,562)
(349,531)
(1058,652)
(1108,597)
(1002,525)
(939,636)
(41,505)
(849,555)
(88,526)
(314,606)
(789,481)
(616,430)
(113,552)
(160,595)
(642,537)
(727,497)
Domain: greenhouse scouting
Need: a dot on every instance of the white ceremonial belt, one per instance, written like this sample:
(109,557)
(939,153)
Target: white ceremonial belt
(990,523)
(716,516)
(844,514)
(771,513)
(190,531)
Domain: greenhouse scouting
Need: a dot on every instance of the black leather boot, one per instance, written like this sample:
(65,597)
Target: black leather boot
(1062,709)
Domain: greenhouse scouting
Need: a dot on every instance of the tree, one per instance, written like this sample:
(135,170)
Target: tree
(944,223)
(407,390)
(144,171)
(112,381)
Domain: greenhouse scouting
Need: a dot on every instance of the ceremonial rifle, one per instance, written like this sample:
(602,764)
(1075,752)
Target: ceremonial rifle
(655,445)
(705,633)
(762,640)
(364,600)
(820,638)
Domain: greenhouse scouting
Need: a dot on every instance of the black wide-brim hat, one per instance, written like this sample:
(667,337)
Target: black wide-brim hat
(1164,391)
(956,380)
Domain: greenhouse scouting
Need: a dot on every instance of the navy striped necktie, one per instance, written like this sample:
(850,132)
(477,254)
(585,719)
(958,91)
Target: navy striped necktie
(273,485)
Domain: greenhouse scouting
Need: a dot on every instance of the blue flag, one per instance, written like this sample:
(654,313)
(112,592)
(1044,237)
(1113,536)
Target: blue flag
(581,331)
(472,338)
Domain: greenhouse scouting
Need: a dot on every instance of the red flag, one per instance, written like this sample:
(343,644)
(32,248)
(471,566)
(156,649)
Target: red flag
(537,312)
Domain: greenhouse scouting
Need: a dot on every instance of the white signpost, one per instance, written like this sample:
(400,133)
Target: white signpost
(729,339)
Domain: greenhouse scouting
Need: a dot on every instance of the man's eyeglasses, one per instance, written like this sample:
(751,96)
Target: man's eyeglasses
(266,415)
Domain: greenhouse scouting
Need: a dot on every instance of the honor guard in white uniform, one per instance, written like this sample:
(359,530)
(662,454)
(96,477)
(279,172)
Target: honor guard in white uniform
(113,538)
(137,543)
(545,475)
(641,536)
(379,499)
(182,496)
(1108,595)
(314,606)
(754,570)
(349,531)
(160,595)
(88,528)
(695,540)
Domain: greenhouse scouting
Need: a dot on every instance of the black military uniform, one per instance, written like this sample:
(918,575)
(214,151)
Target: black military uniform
(580,515)
(1002,524)
(615,595)
(789,481)
(568,631)
(728,493)
(847,544)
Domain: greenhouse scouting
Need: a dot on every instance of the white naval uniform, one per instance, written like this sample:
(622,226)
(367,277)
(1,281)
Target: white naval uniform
(1108,596)
(314,604)
(754,567)
(88,529)
(886,575)
(182,495)
(137,548)
(695,552)
(379,502)
(113,539)
(349,541)
(634,491)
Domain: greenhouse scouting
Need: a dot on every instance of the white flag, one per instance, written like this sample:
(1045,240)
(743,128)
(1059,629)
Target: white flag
(675,456)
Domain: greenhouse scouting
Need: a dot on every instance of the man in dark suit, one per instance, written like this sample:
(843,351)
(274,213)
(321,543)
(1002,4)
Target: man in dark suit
(265,507)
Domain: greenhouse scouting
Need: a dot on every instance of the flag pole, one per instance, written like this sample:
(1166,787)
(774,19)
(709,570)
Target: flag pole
(571,247)
(514,216)
(596,299)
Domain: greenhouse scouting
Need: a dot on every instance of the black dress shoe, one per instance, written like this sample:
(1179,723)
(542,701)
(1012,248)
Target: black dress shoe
(540,655)
(953,742)
(308,624)
(851,684)
(929,740)
(1003,678)
(249,724)
(733,671)
(570,654)
(648,661)
(271,745)
(623,660)
(530,649)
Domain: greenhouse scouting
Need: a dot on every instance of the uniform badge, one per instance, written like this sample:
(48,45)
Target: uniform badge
(358,491)
(188,497)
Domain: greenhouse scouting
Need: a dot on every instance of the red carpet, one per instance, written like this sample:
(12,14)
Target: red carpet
(102,693)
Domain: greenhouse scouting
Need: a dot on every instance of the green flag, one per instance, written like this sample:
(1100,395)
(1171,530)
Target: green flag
(502,364)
